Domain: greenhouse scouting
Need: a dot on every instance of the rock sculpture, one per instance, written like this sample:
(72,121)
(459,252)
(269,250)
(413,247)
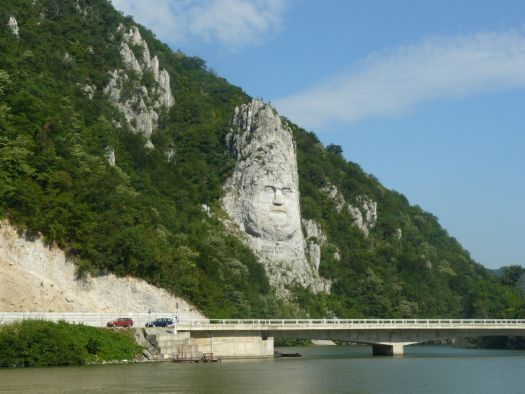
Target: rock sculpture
(262,196)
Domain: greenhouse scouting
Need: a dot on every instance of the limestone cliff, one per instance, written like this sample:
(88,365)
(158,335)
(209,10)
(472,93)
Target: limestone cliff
(363,211)
(262,197)
(139,105)
(38,278)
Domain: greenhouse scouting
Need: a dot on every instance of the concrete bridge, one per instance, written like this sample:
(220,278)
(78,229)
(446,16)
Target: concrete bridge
(254,337)
(387,336)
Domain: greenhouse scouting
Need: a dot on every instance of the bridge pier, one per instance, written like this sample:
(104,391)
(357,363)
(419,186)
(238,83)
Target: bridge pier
(388,349)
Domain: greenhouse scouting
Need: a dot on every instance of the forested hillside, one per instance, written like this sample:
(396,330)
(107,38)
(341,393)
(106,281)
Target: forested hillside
(143,216)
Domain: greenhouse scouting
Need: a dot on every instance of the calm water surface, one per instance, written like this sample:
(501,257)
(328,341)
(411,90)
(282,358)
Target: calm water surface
(323,369)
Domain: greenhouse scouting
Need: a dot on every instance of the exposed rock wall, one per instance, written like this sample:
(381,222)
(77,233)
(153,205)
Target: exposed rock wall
(363,211)
(314,239)
(262,197)
(34,277)
(142,106)
(13,25)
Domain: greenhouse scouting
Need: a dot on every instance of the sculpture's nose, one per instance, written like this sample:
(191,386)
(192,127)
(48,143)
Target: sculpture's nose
(278,198)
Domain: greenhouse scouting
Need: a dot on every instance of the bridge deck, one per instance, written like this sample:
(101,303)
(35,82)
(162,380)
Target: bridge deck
(187,322)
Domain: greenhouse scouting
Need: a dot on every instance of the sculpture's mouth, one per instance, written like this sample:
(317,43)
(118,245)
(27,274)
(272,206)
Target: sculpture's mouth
(282,211)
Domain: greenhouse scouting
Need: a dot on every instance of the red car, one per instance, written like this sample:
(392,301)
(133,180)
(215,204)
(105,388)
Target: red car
(121,322)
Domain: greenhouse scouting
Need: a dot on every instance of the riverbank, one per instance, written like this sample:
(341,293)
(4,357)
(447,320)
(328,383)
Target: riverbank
(32,343)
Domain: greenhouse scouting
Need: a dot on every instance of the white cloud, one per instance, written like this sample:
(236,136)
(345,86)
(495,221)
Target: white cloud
(232,23)
(393,82)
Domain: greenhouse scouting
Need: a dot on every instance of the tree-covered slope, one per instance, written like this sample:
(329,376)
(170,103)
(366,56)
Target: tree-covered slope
(143,217)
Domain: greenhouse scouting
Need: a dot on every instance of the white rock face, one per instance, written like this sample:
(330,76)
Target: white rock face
(78,8)
(314,238)
(67,59)
(129,59)
(262,196)
(333,193)
(89,91)
(140,117)
(170,154)
(164,90)
(141,110)
(363,211)
(13,25)
(34,277)
(155,67)
(110,156)
(206,209)
(364,214)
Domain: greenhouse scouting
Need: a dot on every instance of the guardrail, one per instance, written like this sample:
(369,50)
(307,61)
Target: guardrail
(365,322)
(188,320)
(93,319)
(361,322)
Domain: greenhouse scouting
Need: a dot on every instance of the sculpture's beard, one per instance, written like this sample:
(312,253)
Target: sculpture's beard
(273,224)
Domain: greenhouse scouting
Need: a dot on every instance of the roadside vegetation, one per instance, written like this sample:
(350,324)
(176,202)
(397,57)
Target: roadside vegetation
(33,343)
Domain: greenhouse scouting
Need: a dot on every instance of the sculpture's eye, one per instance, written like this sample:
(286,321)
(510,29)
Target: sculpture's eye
(286,190)
(269,189)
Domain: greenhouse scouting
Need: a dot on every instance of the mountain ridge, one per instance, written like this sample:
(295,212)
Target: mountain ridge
(143,216)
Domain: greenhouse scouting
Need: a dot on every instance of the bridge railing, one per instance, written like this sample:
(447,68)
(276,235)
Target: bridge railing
(93,319)
(187,319)
(361,322)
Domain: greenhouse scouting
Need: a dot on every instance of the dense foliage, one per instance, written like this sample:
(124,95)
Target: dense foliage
(40,343)
(143,217)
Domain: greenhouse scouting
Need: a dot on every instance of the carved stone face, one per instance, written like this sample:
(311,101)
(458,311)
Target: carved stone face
(262,196)
(272,208)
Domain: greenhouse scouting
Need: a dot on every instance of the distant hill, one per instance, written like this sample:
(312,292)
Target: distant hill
(119,151)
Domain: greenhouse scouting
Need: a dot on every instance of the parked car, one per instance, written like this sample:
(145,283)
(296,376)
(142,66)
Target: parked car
(162,322)
(121,322)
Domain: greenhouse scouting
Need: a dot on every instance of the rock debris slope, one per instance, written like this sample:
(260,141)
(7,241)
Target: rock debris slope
(38,278)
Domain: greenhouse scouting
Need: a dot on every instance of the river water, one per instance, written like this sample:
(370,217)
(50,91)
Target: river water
(322,369)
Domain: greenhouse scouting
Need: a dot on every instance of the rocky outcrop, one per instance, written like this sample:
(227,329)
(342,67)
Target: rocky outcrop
(364,213)
(38,278)
(140,117)
(314,239)
(67,59)
(129,59)
(140,106)
(110,156)
(89,90)
(363,210)
(80,10)
(13,25)
(262,197)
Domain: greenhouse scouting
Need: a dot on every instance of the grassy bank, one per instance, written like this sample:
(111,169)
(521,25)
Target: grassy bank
(40,343)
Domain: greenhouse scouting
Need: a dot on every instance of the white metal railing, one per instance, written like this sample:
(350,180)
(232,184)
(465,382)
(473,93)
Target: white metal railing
(188,320)
(363,322)
(93,319)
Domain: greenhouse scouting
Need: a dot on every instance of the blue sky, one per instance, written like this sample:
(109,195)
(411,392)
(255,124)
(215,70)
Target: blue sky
(428,96)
